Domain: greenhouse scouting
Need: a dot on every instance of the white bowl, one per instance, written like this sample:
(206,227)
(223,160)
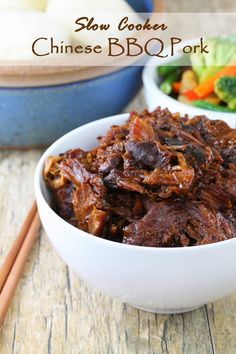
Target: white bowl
(163,280)
(155,97)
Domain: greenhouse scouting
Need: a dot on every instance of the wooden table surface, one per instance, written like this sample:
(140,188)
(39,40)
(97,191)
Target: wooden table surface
(55,312)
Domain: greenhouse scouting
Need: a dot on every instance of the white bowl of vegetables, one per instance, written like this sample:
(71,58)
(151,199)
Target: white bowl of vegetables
(196,85)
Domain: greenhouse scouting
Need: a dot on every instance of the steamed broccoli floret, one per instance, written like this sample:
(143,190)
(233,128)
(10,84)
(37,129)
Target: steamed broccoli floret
(222,51)
(225,88)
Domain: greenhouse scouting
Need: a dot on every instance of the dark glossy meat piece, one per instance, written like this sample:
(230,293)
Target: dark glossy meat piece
(63,200)
(125,205)
(115,133)
(229,154)
(141,131)
(88,208)
(205,226)
(164,225)
(75,154)
(148,153)
(178,224)
(230,215)
(158,180)
(110,163)
(118,180)
(74,171)
(219,135)
(216,197)
(177,179)
(77,173)
(199,157)
(228,180)
(97,184)
(97,222)
(83,202)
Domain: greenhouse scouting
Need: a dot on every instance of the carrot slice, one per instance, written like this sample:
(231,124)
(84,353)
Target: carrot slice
(176,87)
(207,87)
(191,95)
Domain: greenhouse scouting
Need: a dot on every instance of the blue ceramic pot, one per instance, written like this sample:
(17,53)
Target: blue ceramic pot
(37,116)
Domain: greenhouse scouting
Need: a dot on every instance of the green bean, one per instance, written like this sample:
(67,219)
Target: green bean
(166,85)
(211,106)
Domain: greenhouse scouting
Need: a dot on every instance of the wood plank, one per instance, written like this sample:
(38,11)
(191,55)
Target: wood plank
(222,321)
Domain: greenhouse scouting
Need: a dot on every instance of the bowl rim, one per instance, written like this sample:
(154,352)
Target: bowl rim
(81,233)
(150,75)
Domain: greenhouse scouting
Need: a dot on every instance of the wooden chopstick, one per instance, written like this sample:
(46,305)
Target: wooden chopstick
(18,263)
(10,259)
